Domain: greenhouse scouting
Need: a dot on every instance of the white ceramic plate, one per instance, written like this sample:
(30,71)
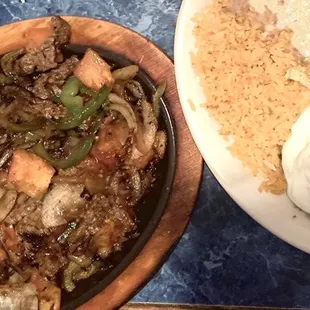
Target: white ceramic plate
(276,213)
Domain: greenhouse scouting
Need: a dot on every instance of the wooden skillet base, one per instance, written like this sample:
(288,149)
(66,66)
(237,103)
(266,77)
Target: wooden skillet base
(159,67)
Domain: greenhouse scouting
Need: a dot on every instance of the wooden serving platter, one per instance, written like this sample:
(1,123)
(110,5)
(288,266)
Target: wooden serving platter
(159,67)
(151,306)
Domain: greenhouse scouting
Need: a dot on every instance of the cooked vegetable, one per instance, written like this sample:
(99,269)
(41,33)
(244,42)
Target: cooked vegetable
(123,107)
(298,76)
(160,143)
(156,98)
(150,124)
(78,114)
(85,273)
(67,282)
(136,89)
(29,173)
(5,80)
(63,199)
(69,95)
(93,71)
(126,73)
(74,158)
(70,228)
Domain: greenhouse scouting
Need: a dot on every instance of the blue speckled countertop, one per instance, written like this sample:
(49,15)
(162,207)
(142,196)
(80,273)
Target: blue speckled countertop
(224,257)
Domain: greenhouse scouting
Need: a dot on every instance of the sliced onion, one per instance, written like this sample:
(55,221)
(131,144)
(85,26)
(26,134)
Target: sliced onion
(160,143)
(69,179)
(136,89)
(61,198)
(123,107)
(150,125)
(156,98)
(135,181)
(125,73)
(119,88)
(139,139)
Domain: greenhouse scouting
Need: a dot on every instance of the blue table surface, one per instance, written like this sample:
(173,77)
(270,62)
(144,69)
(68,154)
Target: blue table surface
(224,257)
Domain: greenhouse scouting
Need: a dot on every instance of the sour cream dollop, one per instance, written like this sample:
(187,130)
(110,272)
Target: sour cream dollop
(296,162)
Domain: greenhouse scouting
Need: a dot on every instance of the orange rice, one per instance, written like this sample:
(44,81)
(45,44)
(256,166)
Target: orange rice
(242,70)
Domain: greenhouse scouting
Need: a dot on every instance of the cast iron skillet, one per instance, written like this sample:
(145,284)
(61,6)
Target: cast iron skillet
(149,211)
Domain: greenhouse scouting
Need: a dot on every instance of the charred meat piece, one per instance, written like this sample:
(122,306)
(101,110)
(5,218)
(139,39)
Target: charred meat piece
(48,55)
(62,31)
(51,259)
(48,84)
(32,224)
(38,60)
(91,220)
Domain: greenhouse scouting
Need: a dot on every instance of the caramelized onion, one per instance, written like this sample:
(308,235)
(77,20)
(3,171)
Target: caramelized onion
(125,73)
(150,124)
(124,108)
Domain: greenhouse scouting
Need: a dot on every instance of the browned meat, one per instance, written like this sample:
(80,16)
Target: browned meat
(28,104)
(38,60)
(22,210)
(48,84)
(91,220)
(32,224)
(113,232)
(4,273)
(62,30)
(48,109)
(10,93)
(51,260)
(48,55)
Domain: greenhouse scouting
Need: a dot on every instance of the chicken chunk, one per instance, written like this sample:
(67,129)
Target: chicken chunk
(37,36)
(93,71)
(30,174)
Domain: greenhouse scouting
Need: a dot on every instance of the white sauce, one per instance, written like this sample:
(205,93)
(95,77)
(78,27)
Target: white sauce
(296,162)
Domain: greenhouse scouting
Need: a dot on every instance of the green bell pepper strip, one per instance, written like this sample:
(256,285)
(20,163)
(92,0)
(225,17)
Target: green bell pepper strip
(69,95)
(76,117)
(78,153)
